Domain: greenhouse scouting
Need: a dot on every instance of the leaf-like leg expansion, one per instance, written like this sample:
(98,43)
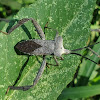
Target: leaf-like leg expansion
(24,88)
(24,20)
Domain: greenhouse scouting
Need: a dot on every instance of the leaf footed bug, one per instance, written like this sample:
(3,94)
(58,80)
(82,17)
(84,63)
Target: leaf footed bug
(42,47)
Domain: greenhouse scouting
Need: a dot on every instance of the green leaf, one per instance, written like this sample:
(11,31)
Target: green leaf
(29,1)
(79,92)
(2,25)
(72,20)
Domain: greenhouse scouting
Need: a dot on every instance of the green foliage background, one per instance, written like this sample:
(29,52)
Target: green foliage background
(72,20)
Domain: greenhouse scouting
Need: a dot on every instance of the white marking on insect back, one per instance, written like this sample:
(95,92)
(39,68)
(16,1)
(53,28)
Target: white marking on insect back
(59,49)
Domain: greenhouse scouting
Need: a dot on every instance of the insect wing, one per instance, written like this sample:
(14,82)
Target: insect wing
(27,46)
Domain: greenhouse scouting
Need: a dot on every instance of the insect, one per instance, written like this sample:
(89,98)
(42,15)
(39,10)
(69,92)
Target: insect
(42,47)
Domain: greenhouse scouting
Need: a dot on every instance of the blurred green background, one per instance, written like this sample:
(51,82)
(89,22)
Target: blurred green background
(87,74)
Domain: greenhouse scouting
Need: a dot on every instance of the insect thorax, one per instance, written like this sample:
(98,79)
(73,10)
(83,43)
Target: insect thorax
(59,49)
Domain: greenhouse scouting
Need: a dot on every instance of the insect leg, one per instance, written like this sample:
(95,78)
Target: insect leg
(24,20)
(20,22)
(41,70)
(46,26)
(38,29)
(61,58)
(24,88)
(57,64)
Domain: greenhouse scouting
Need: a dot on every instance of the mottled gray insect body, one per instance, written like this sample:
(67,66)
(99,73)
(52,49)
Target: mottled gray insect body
(42,47)
(47,47)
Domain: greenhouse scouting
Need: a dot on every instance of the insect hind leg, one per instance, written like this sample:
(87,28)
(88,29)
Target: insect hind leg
(24,20)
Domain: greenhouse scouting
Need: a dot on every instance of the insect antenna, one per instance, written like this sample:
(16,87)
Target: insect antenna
(85,58)
(85,47)
(88,47)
